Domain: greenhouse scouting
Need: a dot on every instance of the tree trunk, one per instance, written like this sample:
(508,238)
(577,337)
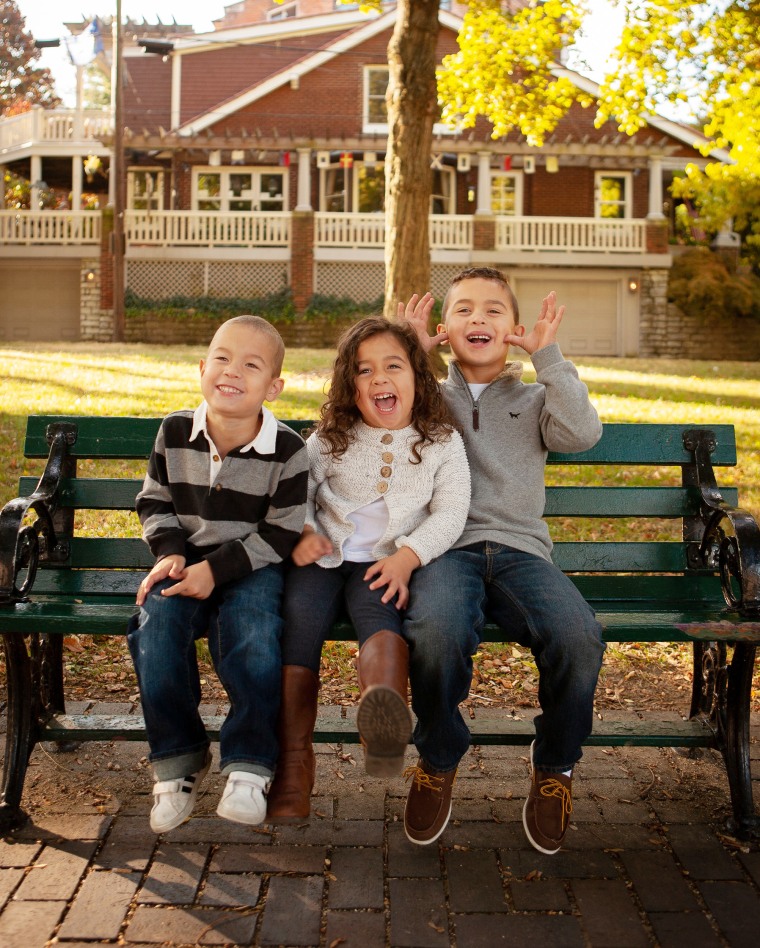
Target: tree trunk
(412,112)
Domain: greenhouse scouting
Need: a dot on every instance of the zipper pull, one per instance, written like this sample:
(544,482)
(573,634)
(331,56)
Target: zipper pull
(475,418)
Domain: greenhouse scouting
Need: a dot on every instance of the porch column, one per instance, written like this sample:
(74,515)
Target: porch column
(35,178)
(655,189)
(484,183)
(2,187)
(76,183)
(303,202)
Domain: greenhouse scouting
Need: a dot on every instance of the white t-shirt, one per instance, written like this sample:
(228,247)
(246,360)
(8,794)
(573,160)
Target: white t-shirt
(371,522)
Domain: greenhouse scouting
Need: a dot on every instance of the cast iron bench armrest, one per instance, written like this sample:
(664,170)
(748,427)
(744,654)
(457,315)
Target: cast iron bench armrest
(736,553)
(22,547)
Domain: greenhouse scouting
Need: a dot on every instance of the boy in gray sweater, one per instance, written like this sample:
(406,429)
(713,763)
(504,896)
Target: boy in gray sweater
(500,569)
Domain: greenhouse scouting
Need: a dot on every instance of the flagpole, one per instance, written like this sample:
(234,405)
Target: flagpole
(118,184)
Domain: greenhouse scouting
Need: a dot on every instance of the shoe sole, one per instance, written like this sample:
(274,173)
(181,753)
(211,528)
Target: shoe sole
(181,819)
(243,819)
(533,843)
(384,723)
(427,842)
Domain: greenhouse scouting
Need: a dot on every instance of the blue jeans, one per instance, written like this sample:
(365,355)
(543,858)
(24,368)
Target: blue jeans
(538,607)
(244,627)
(315,597)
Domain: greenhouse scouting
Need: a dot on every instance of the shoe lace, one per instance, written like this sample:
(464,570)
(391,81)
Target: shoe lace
(552,787)
(423,779)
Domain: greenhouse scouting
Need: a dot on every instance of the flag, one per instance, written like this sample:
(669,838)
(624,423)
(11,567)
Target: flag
(284,159)
(346,159)
(507,164)
(85,46)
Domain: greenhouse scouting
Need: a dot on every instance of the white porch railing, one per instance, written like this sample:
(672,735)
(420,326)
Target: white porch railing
(447,231)
(54,126)
(571,234)
(49,227)
(349,230)
(207,229)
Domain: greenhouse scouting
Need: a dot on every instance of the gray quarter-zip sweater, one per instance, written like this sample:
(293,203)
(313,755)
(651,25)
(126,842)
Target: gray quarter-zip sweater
(507,433)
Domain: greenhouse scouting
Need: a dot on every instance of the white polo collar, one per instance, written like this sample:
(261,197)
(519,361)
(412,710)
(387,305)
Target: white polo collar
(264,442)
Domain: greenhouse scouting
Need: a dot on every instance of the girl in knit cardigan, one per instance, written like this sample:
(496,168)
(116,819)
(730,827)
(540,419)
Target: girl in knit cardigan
(389,490)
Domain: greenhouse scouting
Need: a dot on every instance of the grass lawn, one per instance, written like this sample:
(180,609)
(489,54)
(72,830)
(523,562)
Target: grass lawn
(107,379)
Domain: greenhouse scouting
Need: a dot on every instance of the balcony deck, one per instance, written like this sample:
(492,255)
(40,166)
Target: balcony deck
(56,132)
(346,232)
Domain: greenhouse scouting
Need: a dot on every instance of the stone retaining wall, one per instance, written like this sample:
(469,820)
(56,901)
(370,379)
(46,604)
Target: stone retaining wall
(667,331)
(313,333)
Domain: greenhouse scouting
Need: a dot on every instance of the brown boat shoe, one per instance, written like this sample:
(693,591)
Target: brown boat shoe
(546,814)
(428,806)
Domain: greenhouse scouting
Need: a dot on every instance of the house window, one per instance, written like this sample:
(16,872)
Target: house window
(612,195)
(442,198)
(333,189)
(285,12)
(506,194)
(370,188)
(145,189)
(239,189)
(375,118)
(375,108)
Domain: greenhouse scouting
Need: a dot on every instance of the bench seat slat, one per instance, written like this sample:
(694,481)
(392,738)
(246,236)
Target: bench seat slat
(103,585)
(484,728)
(622,621)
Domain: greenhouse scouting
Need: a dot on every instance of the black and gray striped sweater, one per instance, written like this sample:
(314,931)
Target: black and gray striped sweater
(251,516)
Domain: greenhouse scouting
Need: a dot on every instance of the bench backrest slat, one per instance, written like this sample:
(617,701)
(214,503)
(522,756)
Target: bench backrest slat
(133,438)
(586,556)
(112,493)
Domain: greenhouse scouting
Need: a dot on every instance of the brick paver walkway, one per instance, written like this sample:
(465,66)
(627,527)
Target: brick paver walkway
(647,861)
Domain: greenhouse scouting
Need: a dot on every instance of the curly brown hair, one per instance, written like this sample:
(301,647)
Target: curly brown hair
(339,413)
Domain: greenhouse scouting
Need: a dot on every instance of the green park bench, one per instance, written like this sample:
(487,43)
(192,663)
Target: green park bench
(703,587)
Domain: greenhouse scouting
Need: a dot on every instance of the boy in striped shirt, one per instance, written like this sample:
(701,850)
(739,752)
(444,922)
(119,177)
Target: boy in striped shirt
(222,506)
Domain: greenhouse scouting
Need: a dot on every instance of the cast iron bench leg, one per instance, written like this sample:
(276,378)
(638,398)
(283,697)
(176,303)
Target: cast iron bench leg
(19,739)
(746,824)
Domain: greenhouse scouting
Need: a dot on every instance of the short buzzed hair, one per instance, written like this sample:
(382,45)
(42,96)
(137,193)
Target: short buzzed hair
(482,273)
(259,324)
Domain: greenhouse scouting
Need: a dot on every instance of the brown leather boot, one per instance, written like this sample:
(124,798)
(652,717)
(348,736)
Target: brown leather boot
(289,798)
(383,717)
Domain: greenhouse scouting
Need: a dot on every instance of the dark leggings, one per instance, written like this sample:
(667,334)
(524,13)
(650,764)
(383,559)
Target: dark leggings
(316,597)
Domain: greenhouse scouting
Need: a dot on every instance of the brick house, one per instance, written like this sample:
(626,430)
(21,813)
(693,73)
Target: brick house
(254,160)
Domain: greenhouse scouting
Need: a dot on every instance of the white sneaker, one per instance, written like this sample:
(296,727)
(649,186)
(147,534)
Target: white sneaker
(245,798)
(174,800)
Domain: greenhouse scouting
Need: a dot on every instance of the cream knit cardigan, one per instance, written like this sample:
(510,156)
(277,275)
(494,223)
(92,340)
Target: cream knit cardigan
(427,502)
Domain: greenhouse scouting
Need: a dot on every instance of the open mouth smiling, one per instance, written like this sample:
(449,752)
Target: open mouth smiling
(228,390)
(479,338)
(385,402)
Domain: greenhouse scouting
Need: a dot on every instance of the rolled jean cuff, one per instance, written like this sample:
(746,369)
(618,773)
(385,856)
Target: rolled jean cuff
(247,767)
(180,765)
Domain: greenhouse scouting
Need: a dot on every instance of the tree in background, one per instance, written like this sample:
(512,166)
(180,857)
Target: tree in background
(703,54)
(22,83)
(700,52)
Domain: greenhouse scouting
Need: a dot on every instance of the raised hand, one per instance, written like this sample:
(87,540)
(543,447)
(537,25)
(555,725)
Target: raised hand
(417,313)
(544,333)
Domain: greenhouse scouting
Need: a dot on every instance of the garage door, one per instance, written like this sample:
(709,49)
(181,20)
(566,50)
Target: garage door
(590,324)
(39,300)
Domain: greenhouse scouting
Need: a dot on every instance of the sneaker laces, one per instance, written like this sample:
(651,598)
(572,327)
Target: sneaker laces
(423,779)
(551,787)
